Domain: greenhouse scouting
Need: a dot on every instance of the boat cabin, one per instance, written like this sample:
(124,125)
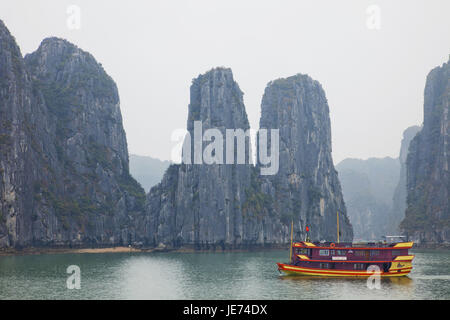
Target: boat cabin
(351,258)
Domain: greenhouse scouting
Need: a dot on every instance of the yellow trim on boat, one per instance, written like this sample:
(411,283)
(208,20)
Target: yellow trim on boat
(309,244)
(404,245)
(400,265)
(303,257)
(338,273)
(404,258)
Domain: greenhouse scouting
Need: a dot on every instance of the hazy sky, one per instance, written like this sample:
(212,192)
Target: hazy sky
(373,78)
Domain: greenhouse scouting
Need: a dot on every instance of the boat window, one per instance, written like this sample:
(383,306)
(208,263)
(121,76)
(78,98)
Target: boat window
(396,252)
(360,253)
(304,251)
(374,253)
(332,252)
(324,266)
(324,252)
(358,266)
(341,252)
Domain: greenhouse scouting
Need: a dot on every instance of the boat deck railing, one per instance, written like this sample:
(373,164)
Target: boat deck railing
(356,244)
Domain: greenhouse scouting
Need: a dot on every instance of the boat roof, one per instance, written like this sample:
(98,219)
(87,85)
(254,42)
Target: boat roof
(394,236)
(353,245)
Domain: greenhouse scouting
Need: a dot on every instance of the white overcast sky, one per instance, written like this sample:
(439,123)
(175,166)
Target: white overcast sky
(374,79)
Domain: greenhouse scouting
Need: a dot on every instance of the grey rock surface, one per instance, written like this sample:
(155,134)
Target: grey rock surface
(64,165)
(306,189)
(233,206)
(428,179)
(400,192)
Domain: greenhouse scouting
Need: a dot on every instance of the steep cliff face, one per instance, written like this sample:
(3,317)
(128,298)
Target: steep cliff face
(200,204)
(399,198)
(306,188)
(64,172)
(65,177)
(428,180)
(232,205)
(16,107)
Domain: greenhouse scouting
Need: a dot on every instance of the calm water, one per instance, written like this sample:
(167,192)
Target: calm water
(205,276)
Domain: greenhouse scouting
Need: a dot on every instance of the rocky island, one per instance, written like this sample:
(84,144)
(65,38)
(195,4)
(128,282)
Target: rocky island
(64,176)
(233,206)
(65,180)
(427,217)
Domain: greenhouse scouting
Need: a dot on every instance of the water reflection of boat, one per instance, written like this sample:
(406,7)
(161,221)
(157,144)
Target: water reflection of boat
(406,281)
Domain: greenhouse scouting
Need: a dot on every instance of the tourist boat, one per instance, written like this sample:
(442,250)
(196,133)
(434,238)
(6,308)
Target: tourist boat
(348,259)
